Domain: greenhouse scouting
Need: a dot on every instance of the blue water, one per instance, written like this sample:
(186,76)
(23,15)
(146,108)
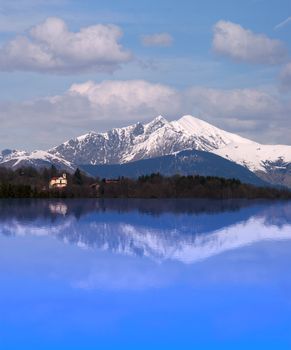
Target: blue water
(137,274)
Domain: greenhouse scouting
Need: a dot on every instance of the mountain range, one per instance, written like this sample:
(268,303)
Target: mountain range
(158,138)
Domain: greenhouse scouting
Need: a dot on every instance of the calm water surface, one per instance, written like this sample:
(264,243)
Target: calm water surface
(143,274)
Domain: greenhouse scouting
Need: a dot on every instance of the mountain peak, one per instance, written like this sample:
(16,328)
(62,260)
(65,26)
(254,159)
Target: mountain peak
(159,120)
(194,120)
(155,124)
(85,136)
(156,138)
(195,125)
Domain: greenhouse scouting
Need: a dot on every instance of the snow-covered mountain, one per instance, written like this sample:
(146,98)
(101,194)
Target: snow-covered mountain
(161,137)
(157,138)
(38,159)
(140,141)
(270,162)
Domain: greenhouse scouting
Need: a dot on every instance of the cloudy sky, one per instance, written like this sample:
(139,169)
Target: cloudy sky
(71,66)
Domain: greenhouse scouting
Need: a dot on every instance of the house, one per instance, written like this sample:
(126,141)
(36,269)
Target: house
(58,182)
(96,188)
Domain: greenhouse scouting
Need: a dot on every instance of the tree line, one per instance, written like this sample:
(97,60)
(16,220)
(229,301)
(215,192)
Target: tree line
(158,186)
(32,183)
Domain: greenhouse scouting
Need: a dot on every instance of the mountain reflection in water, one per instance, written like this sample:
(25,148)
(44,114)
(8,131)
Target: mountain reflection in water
(183,230)
(145,274)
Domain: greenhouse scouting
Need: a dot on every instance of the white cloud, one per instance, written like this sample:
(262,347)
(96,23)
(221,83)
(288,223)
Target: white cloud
(252,113)
(130,99)
(159,39)
(285,76)
(100,106)
(45,122)
(51,47)
(232,40)
(242,103)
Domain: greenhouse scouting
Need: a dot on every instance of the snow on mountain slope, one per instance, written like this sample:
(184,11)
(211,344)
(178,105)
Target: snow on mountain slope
(161,137)
(257,157)
(158,138)
(140,141)
(16,159)
(8,154)
(196,127)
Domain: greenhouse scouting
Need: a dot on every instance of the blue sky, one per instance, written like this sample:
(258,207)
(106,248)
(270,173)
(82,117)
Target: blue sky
(185,52)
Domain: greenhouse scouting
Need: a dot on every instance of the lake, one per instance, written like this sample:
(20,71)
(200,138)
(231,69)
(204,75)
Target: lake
(145,274)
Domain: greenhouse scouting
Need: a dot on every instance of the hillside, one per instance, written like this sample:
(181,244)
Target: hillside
(182,163)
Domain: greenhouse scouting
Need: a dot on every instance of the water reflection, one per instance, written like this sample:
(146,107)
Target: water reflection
(182,230)
(58,208)
(134,274)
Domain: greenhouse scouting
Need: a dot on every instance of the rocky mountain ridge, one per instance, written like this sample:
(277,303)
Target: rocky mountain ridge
(158,138)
